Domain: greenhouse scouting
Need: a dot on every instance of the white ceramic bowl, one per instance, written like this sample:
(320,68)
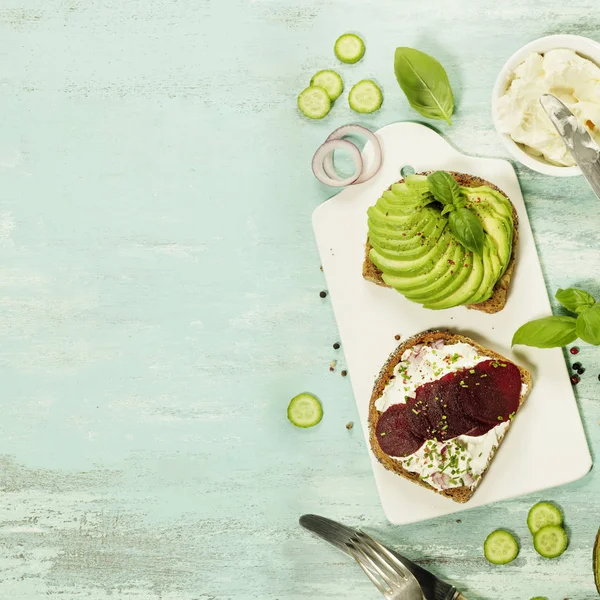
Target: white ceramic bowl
(583,46)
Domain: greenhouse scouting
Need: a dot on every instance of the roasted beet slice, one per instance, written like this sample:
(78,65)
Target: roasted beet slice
(481,429)
(508,380)
(459,422)
(466,402)
(393,434)
(416,417)
(431,398)
(439,404)
(490,391)
(435,413)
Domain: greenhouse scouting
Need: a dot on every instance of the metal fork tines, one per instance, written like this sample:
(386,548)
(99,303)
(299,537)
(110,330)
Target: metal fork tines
(388,574)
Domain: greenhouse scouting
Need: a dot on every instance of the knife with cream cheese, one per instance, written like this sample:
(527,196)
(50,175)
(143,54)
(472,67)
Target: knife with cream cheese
(581,144)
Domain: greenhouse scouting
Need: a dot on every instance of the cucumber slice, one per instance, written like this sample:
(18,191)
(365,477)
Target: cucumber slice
(542,514)
(330,81)
(550,541)
(540,598)
(500,547)
(365,97)
(314,102)
(349,48)
(305,410)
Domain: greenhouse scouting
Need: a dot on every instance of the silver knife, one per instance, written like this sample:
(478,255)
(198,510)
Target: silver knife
(337,534)
(577,138)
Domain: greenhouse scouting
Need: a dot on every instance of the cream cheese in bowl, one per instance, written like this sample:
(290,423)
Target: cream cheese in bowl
(571,78)
(567,66)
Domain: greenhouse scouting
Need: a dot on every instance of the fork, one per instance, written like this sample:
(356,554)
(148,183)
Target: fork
(386,572)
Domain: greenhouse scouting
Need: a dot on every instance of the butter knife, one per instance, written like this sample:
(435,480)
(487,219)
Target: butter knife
(577,138)
(339,535)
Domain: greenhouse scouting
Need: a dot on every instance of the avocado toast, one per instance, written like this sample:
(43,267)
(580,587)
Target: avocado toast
(440,409)
(411,248)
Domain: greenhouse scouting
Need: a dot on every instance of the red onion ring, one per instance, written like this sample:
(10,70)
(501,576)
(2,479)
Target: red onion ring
(326,150)
(342,132)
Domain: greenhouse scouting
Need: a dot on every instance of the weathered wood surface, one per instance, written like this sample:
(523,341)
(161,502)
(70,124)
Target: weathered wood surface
(159,298)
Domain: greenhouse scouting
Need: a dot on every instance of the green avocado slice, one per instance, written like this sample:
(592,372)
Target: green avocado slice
(463,294)
(451,277)
(419,265)
(497,228)
(399,209)
(429,234)
(491,263)
(417,183)
(384,219)
(404,283)
(402,189)
(415,267)
(460,271)
(399,200)
(496,214)
(596,559)
(402,232)
(488,196)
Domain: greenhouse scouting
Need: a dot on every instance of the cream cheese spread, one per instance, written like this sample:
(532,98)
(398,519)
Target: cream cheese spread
(572,79)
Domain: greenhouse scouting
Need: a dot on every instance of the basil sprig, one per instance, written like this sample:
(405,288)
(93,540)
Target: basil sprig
(557,331)
(549,332)
(588,325)
(575,300)
(444,188)
(425,83)
(467,229)
(465,225)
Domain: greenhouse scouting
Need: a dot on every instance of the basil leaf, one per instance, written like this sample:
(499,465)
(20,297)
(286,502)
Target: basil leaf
(588,325)
(467,229)
(444,187)
(549,332)
(425,83)
(448,208)
(575,300)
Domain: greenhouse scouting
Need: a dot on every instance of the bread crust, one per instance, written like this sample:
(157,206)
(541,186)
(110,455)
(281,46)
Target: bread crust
(459,494)
(499,297)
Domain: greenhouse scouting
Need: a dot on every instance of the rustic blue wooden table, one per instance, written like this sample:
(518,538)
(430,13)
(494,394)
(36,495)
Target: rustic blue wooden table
(159,298)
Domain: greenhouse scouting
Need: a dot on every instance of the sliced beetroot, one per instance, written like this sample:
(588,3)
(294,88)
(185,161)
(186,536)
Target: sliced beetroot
(435,413)
(481,429)
(466,402)
(490,391)
(508,379)
(433,397)
(459,421)
(393,433)
(416,418)
(439,404)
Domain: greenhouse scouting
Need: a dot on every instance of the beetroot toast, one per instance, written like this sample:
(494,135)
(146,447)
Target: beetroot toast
(498,299)
(426,437)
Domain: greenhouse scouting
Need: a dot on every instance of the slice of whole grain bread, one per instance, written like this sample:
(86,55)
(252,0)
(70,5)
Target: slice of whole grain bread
(498,299)
(458,494)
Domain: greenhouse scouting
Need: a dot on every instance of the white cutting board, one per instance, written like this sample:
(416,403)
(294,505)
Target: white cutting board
(546,446)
